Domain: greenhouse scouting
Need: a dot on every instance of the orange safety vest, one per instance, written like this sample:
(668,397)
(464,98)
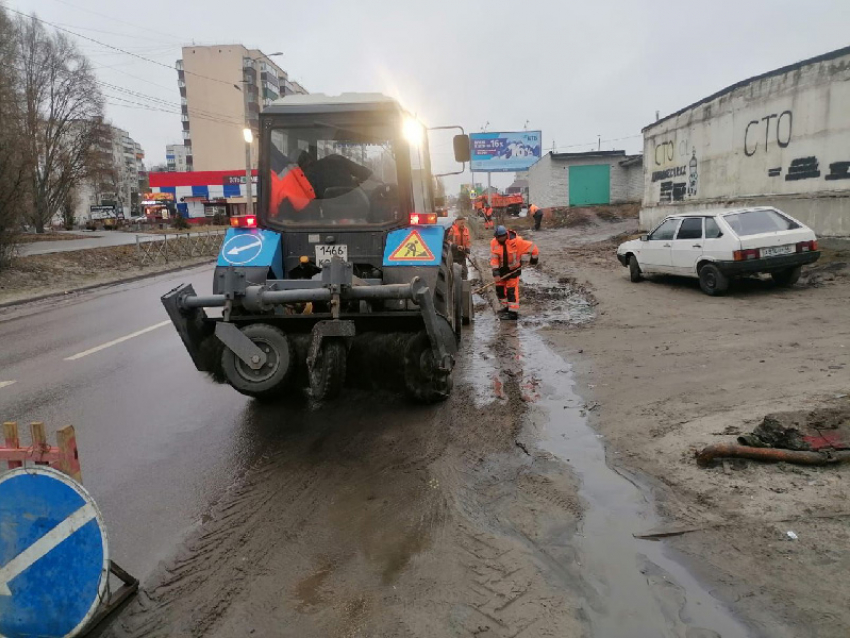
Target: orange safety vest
(533,209)
(292,185)
(507,257)
(459,237)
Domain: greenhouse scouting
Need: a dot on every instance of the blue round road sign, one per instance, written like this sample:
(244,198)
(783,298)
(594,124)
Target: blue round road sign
(54,564)
(242,248)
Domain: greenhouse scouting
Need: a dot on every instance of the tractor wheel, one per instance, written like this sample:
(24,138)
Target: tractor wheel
(442,290)
(273,376)
(423,382)
(327,375)
(457,285)
(468,307)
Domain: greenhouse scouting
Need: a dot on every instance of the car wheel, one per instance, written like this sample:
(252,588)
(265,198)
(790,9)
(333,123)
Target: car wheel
(787,277)
(634,269)
(712,281)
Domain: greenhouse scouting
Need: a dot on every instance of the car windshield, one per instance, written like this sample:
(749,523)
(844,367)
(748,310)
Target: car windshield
(332,175)
(755,222)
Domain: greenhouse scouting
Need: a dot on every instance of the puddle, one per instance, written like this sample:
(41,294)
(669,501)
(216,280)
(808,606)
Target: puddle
(632,587)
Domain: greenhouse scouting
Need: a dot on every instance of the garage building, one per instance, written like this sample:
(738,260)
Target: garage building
(778,139)
(586,179)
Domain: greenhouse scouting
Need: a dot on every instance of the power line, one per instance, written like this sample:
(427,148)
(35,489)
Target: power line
(114,48)
(103,15)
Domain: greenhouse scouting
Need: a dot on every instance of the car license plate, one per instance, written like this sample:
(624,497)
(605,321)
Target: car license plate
(777,250)
(325,252)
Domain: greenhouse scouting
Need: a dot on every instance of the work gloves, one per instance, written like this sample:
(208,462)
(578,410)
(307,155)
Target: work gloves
(496,274)
(534,260)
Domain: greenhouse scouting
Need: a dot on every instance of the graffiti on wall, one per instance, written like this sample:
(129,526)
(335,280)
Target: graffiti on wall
(671,188)
(839,170)
(803,168)
(777,127)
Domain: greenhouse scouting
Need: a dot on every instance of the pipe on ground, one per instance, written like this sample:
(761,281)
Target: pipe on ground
(723,450)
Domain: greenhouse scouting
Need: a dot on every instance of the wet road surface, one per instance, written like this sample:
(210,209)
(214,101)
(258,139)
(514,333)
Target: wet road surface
(493,514)
(157,440)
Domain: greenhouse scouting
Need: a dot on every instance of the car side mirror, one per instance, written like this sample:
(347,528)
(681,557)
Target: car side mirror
(644,237)
(461,148)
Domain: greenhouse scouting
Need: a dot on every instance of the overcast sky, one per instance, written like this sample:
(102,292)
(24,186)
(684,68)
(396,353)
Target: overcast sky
(574,70)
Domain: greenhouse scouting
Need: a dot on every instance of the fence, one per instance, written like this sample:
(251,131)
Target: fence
(162,250)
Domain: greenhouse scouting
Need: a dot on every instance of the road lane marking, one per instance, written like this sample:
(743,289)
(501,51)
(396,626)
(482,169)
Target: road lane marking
(4,384)
(115,342)
(44,545)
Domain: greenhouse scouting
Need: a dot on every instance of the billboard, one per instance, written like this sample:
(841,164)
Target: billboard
(509,152)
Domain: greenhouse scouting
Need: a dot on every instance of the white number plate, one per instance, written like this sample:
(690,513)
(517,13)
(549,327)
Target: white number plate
(777,250)
(324,252)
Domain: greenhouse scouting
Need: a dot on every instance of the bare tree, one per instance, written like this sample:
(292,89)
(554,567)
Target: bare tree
(69,208)
(62,109)
(13,165)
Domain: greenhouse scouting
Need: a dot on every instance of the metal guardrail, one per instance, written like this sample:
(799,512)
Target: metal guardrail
(174,247)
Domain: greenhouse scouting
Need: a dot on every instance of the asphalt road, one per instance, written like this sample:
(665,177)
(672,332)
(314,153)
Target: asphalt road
(100,240)
(157,440)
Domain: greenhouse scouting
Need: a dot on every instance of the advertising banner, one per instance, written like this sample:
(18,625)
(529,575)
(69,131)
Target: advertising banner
(508,152)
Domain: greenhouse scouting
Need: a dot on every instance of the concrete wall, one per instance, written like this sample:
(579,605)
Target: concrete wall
(782,139)
(549,180)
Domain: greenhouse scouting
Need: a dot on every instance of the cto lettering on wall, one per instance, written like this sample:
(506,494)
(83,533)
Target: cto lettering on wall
(775,138)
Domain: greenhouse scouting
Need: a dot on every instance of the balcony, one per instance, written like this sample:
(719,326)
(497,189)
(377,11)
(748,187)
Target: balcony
(248,63)
(181,84)
(187,135)
(178,65)
(184,101)
(269,79)
(184,117)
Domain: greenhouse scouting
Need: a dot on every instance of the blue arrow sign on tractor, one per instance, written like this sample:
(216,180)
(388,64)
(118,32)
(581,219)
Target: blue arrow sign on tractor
(53,555)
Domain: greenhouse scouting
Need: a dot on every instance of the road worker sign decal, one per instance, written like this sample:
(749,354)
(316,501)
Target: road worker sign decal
(412,248)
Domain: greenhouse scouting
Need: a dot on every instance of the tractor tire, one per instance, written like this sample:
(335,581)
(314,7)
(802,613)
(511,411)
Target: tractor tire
(457,285)
(269,380)
(442,288)
(423,383)
(468,312)
(327,376)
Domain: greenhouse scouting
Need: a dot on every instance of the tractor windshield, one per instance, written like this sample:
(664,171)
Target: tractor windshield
(324,174)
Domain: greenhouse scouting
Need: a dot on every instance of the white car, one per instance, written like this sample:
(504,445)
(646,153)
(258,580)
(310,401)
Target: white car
(716,246)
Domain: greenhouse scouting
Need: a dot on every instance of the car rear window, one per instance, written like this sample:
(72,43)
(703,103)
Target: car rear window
(755,222)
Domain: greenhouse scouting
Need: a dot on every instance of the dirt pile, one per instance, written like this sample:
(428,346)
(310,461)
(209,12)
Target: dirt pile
(36,275)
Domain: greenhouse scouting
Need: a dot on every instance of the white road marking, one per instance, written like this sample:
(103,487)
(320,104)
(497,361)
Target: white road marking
(115,342)
(43,545)
(4,384)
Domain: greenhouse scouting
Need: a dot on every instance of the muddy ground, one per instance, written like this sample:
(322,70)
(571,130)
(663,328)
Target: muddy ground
(495,514)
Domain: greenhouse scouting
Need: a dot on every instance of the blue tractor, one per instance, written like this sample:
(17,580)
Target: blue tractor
(344,276)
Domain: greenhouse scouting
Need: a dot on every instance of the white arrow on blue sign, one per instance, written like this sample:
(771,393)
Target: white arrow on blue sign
(54,563)
(242,248)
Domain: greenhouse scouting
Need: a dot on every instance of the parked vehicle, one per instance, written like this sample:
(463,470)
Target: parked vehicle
(716,246)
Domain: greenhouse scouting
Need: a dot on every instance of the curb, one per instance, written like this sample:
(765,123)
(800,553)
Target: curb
(90,287)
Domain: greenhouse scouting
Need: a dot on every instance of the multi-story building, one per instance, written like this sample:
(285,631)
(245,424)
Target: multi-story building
(223,88)
(118,177)
(175,158)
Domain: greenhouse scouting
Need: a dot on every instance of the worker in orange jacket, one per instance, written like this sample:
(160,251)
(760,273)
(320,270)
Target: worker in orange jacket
(488,217)
(506,252)
(460,242)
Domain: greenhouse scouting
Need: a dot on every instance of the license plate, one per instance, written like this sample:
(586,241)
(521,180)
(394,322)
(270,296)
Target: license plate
(777,250)
(325,252)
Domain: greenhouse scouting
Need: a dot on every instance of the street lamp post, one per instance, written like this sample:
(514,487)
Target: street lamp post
(249,186)
(248,134)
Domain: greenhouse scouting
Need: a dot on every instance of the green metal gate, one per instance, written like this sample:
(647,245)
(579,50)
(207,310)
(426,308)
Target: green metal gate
(590,185)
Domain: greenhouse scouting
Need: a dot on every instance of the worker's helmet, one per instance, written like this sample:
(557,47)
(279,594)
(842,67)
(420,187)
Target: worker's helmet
(501,231)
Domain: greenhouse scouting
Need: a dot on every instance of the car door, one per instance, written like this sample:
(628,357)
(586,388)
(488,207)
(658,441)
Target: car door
(655,251)
(687,246)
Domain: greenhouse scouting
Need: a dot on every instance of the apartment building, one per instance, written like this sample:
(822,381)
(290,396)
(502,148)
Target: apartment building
(175,158)
(223,88)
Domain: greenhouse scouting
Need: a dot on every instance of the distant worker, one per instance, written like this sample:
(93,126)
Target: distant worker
(460,242)
(506,252)
(488,217)
(537,214)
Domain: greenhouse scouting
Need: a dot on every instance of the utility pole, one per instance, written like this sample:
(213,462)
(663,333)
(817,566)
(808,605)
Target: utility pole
(249,186)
